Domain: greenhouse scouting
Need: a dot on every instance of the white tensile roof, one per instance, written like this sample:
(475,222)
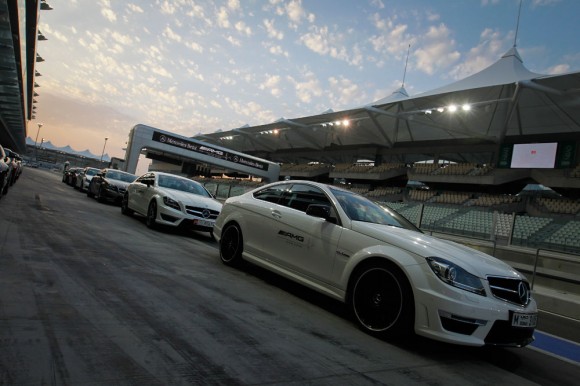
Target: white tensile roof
(502,100)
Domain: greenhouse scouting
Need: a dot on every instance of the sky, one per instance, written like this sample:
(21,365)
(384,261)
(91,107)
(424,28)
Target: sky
(199,66)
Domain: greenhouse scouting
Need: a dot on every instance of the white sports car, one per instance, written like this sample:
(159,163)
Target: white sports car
(394,278)
(168,199)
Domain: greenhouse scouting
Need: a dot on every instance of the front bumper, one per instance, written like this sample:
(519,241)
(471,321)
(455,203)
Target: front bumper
(453,315)
(172,217)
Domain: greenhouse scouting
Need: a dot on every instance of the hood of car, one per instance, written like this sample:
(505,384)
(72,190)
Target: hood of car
(191,199)
(474,261)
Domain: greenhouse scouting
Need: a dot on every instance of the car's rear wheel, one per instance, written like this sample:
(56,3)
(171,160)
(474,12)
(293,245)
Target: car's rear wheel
(231,245)
(381,300)
(125,205)
(151,215)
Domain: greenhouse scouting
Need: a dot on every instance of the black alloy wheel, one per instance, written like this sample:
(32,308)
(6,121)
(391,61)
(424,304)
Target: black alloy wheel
(99,195)
(90,193)
(151,215)
(125,205)
(381,300)
(231,245)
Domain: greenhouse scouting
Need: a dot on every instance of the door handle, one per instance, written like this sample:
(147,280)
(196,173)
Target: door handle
(276,214)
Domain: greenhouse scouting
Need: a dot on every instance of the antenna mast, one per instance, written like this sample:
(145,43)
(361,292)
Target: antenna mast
(406,61)
(518,24)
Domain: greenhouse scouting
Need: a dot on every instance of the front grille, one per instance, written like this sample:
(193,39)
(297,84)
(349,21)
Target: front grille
(197,211)
(504,334)
(511,290)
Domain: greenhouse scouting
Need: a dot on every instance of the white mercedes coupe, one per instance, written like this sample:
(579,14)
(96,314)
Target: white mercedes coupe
(172,200)
(395,279)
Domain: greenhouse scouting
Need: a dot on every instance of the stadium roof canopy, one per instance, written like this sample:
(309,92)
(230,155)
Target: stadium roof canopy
(465,121)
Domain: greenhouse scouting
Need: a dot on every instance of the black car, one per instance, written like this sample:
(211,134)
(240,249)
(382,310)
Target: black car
(70,175)
(110,185)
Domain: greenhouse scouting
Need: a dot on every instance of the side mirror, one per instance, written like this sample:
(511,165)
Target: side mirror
(324,211)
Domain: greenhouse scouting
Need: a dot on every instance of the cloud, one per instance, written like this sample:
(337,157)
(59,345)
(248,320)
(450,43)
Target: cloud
(491,46)
(223,18)
(437,50)
(307,89)
(323,42)
(134,8)
(48,31)
(344,92)
(558,69)
(242,28)
(106,10)
(271,84)
(171,35)
(272,31)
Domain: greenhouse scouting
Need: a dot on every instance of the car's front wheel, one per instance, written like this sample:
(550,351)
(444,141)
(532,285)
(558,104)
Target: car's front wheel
(231,245)
(125,205)
(381,300)
(151,215)
(99,195)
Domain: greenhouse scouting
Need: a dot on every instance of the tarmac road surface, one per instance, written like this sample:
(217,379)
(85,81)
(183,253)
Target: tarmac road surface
(91,297)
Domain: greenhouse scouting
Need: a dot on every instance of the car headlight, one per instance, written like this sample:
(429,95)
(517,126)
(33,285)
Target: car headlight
(170,202)
(456,276)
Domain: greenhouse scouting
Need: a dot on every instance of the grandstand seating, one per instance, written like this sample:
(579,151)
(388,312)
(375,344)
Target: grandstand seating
(560,205)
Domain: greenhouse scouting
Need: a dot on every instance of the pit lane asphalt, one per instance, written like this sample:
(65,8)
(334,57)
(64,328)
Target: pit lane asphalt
(91,297)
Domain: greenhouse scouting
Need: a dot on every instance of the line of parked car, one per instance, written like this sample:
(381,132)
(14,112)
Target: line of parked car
(10,169)
(395,279)
(164,199)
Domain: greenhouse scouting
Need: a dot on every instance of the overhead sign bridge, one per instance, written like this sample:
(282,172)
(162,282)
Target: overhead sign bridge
(171,145)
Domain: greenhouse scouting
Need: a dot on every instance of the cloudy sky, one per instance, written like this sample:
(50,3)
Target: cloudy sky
(197,66)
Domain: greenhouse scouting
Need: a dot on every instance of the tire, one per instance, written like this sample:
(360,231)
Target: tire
(381,300)
(99,195)
(125,205)
(151,215)
(90,193)
(231,245)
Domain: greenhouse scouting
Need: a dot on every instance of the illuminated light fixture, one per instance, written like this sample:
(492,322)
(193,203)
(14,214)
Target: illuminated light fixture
(466,107)
(452,108)
(428,112)
(275,131)
(337,123)
(440,109)
(345,122)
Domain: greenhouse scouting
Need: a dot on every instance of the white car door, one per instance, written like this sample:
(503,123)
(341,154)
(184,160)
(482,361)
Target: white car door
(139,193)
(305,243)
(260,216)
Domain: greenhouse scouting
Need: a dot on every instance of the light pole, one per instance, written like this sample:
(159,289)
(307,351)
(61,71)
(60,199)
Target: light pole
(35,141)
(103,152)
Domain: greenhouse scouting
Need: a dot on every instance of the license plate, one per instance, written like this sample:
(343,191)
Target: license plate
(203,223)
(524,320)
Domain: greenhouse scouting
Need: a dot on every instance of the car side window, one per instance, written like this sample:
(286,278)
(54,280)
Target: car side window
(144,178)
(272,194)
(300,196)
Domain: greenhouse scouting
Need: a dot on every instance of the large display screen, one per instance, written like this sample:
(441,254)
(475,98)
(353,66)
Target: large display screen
(534,155)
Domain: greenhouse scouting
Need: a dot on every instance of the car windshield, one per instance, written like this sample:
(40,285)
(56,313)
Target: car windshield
(183,185)
(91,172)
(362,209)
(121,176)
